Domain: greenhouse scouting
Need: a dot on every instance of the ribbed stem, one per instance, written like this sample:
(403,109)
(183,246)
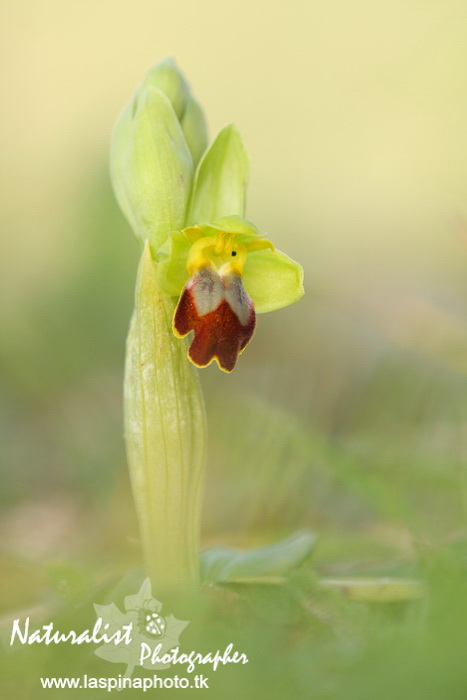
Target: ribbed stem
(165,433)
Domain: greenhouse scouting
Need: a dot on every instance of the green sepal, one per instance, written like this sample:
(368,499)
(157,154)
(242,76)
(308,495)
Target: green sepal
(221,179)
(272,279)
(223,564)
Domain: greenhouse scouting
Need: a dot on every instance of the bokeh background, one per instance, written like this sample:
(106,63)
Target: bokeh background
(347,413)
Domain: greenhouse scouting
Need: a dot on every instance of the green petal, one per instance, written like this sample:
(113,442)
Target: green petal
(172,274)
(195,129)
(158,169)
(272,280)
(221,180)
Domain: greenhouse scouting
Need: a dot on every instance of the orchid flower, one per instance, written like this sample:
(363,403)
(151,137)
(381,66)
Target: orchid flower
(208,255)
(224,272)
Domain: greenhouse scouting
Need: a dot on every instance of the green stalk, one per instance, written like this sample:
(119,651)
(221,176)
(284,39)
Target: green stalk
(165,434)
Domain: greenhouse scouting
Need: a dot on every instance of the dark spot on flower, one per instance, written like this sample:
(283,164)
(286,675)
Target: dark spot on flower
(234,252)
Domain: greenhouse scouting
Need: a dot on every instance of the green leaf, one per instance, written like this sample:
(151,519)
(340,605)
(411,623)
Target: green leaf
(376,590)
(163,401)
(221,179)
(271,563)
(272,280)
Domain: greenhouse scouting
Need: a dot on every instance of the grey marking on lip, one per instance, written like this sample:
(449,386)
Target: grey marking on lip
(237,298)
(207,289)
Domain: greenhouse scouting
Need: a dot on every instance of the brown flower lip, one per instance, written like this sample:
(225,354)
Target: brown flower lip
(221,314)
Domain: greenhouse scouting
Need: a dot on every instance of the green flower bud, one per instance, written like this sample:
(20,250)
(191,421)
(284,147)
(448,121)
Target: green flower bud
(151,161)
(167,77)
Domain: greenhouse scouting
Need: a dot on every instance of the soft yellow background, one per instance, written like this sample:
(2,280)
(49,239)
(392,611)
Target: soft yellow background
(354,115)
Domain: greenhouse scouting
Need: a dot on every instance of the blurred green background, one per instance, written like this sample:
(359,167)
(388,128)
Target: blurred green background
(347,413)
